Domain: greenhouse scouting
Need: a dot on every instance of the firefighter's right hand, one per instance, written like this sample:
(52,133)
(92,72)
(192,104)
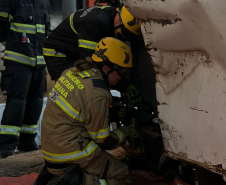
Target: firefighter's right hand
(133,128)
(118,111)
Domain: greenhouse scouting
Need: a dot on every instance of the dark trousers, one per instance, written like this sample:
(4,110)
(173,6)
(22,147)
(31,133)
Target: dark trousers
(25,90)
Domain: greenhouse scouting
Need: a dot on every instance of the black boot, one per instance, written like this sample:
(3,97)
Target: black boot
(44,177)
(27,142)
(27,147)
(6,153)
(73,175)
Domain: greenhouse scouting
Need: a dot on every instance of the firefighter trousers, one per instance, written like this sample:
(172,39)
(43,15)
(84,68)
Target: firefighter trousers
(104,169)
(109,170)
(25,90)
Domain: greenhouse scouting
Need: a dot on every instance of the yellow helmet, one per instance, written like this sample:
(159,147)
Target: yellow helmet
(130,22)
(113,50)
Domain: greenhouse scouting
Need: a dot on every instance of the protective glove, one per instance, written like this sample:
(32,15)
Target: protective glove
(133,129)
(118,112)
(132,95)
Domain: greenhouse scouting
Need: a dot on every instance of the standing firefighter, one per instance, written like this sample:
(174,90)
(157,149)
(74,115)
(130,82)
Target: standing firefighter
(78,35)
(75,126)
(24,25)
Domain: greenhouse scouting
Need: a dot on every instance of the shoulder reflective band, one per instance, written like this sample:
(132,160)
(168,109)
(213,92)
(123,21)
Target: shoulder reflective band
(67,107)
(100,134)
(40,60)
(23,28)
(52,53)
(10,130)
(120,135)
(71,23)
(87,44)
(3,14)
(103,7)
(102,182)
(20,58)
(87,151)
(84,74)
(29,129)
(40,28)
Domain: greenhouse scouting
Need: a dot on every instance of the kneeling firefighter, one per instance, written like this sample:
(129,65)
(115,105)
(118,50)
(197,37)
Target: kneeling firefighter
(75,126)
(78,35)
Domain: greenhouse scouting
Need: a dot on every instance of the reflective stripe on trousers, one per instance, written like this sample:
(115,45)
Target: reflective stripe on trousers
(87,44)
(10,130)
(52,53)
(88,150)
(29,129)
(65,106)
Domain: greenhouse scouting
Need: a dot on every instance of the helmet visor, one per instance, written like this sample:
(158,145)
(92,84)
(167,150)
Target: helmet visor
(124,72)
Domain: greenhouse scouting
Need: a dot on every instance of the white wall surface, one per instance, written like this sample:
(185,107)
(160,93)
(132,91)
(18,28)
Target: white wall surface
(190,64)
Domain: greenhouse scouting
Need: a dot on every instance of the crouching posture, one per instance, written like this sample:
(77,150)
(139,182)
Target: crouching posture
(75,126)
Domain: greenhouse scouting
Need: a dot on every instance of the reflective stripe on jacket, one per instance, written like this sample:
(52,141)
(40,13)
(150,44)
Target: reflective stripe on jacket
(26,25)
(78,35)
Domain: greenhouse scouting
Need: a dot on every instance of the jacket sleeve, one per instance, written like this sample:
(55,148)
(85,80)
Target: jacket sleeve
(88,38)
(5,18)
(98,125)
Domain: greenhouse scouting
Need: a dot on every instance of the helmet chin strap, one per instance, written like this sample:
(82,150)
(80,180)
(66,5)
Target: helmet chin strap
(105,76)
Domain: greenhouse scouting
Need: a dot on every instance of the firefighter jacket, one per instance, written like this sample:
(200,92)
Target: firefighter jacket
(24,24)
(76,119)
(78,35)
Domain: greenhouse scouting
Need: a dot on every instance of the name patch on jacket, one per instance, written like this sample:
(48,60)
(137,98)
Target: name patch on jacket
(75,80)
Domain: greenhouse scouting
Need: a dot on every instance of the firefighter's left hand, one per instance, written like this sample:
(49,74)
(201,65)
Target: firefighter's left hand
(132,95)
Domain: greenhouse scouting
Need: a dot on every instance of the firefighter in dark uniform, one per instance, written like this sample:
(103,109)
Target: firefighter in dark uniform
(77,36)
(75,125)
(24,25)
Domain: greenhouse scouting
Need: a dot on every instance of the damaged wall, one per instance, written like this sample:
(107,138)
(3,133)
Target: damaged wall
(186,40)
